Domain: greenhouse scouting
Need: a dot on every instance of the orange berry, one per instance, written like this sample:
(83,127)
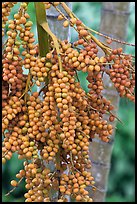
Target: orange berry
(14,183)
(78,198)
(66,23)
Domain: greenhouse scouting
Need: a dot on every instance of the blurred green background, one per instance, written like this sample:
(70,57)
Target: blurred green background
(121,183)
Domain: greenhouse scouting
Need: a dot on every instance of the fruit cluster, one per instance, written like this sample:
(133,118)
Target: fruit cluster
(57,123)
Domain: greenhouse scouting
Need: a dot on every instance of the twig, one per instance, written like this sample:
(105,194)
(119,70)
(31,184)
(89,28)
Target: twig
(100,44)
(4,117)
(45,26)
(73,163)
(27,90)
(116,117)
(83,133)
(108,37)
(14,187)
(53,174)
(5,154)
(129,91)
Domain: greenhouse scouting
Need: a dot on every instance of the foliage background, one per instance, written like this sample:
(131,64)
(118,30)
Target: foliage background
(121,183)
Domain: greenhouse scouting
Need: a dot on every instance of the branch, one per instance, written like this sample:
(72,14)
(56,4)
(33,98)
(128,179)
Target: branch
(43,37)
(45,26)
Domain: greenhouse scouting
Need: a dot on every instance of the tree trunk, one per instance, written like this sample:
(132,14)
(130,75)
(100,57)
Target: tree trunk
(57,26)
(114,21)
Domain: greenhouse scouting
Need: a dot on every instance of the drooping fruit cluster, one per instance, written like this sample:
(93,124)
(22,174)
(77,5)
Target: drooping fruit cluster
(52,128)
(122,74)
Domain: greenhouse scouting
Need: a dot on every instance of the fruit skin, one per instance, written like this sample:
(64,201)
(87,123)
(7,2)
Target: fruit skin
(66,23)
(14,183)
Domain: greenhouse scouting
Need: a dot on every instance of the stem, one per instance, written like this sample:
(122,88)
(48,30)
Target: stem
(45,26)
(71,14)
(116,117)
(27,87)
(108,37)
(104,47)
(58,167)
(43,37)
(14,187)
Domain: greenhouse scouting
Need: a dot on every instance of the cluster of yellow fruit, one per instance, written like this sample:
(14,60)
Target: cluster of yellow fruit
(58,128)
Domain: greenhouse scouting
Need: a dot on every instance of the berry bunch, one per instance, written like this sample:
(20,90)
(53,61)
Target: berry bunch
(56,124)
(6,9)
(122,74)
